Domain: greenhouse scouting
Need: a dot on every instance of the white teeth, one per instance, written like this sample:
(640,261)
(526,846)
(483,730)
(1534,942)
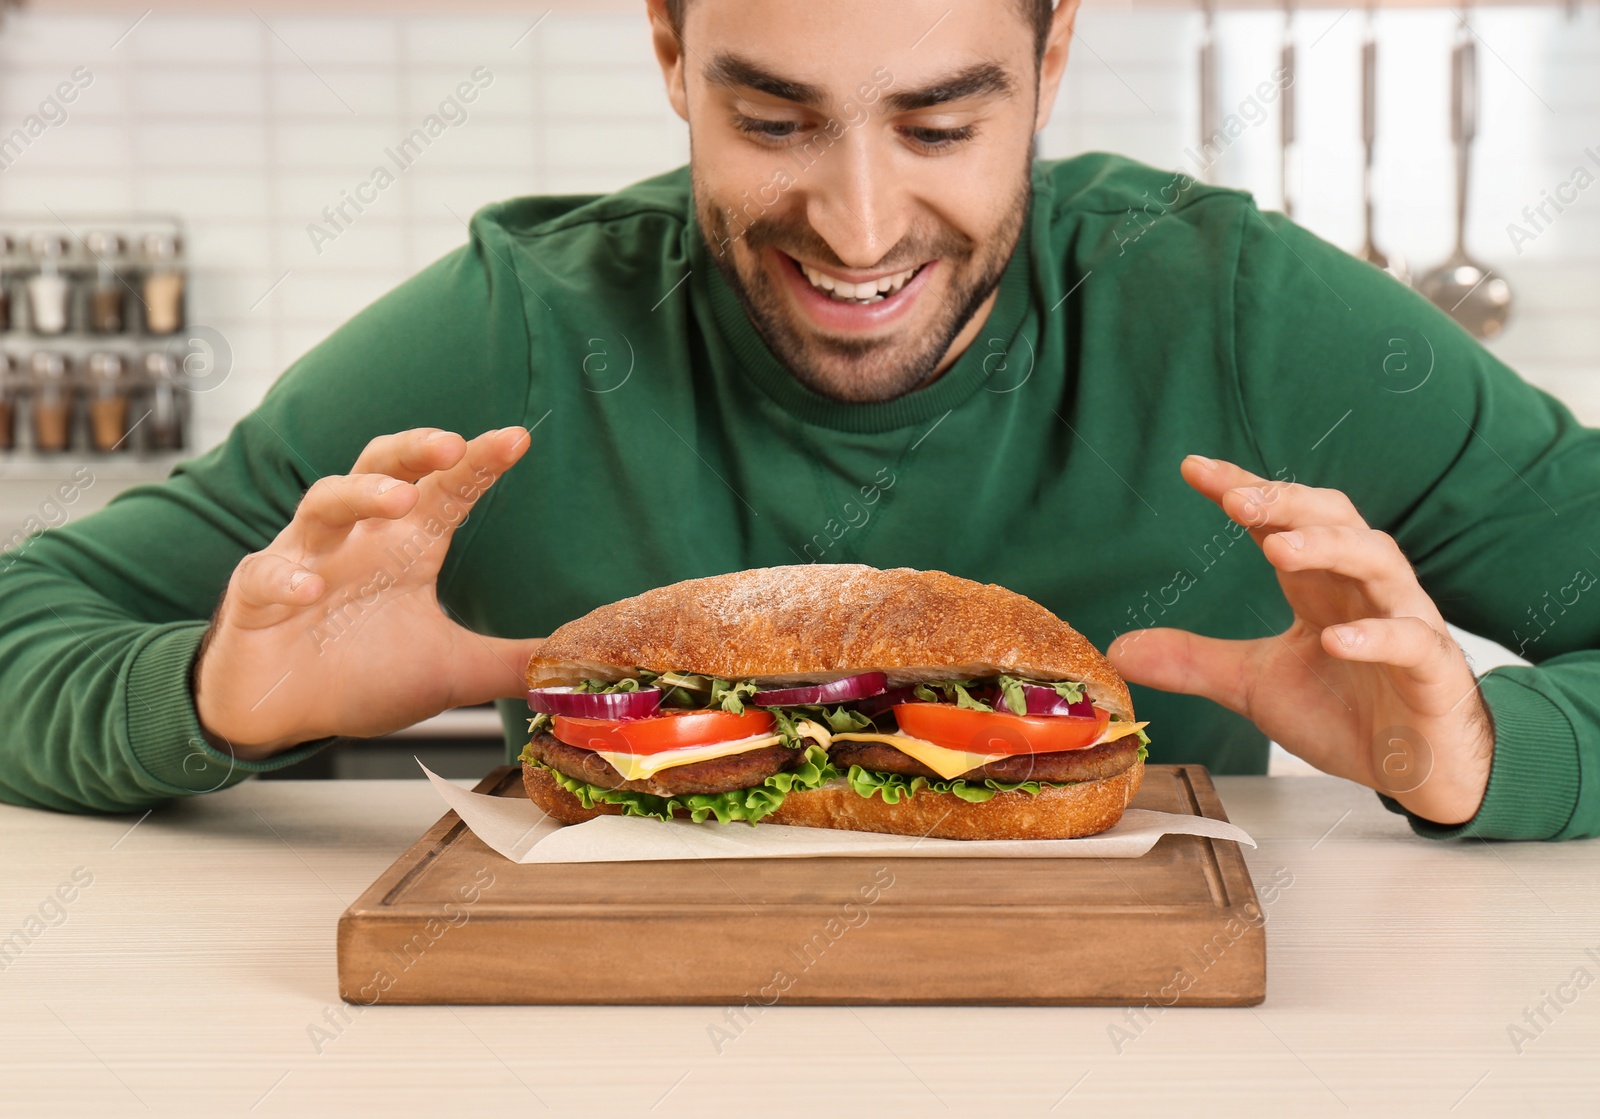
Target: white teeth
(869,292)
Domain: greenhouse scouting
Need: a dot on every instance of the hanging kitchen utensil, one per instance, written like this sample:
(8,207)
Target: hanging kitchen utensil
(1467,291)
(1208,84)
(1286,119)
(1395,265)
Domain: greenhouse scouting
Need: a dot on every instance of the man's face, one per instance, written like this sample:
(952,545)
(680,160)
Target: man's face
(861,172)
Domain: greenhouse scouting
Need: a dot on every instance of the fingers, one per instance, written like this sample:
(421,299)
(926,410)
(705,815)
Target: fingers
(489,668)
(1275,506)
(1176,660)
(453,474)
(1367,556)
(1427,654)
(266,588)
(411,455)
(1213,477)
(333,505)
(450,494)
(1262,505)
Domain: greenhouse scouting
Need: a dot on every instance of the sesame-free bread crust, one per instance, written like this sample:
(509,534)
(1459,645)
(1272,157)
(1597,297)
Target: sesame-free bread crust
(557,803)
(1055,812)
(809,623)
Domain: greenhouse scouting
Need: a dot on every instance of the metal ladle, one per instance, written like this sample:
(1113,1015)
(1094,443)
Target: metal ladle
(1395,265)
(1208,81)
(1286,120)
(1464,289)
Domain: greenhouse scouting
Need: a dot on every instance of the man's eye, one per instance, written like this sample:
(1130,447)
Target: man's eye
(766,129)
(937,139)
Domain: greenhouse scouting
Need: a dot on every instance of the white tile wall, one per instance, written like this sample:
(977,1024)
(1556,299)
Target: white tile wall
(247,130)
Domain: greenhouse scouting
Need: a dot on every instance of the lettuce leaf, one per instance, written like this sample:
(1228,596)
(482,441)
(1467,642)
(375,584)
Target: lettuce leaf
(949,691)
(838,720)
(607,687)
(1017,703)
(956,692)
(747,805)
(893,787)
(688,689)
(731,696)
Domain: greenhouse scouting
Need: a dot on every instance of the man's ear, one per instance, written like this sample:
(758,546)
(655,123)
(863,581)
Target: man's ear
(669,53)
(1054,62)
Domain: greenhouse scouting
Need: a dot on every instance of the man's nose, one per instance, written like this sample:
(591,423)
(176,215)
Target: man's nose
(858,202)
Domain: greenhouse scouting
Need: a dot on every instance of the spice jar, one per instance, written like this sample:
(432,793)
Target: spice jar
(163,284)
(8,249)
(106,291)
(48,289)
(107,390)
(52,402)
(10,391)
(165,423)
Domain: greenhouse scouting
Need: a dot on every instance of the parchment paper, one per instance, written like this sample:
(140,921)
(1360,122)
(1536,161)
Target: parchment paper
(519,830)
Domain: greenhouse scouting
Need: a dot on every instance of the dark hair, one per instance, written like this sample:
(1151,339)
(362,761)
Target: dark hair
(1036,12)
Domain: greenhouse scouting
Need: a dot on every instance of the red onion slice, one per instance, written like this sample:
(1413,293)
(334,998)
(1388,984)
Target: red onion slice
(1041,701)
(835,691)
(618,706)
(878,704)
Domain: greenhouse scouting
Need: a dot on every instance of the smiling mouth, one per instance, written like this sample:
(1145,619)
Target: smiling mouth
(842,291)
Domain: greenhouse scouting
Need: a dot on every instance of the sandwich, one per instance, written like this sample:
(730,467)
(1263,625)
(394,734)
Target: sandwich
(834,696)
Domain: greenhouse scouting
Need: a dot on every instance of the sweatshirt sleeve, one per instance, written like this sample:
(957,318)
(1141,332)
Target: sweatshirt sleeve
(101,618)
(1491,487)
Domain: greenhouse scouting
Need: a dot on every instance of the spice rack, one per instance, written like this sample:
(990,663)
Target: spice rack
(93,356)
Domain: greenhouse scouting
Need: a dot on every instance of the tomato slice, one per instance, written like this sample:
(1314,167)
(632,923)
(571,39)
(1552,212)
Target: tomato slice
(664,732)
(998,732)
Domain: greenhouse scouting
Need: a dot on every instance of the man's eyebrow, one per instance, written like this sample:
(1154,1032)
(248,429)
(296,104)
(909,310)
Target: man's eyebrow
(981,79)
(731,70)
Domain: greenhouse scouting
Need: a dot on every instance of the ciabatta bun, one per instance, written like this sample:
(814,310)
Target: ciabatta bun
(1055,812)
(809,623)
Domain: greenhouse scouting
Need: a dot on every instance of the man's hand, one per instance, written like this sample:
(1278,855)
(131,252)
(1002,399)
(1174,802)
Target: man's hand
(335,627)
(1366,683)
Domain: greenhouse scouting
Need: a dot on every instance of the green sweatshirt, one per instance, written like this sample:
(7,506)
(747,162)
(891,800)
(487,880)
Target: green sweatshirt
(1143,317)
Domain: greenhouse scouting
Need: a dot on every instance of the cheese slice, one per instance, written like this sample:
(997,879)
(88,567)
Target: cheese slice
(1118,730)
(816,731)
(638,767)
(945,762)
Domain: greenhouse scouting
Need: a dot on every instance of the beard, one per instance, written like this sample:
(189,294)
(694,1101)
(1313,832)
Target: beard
(861,370)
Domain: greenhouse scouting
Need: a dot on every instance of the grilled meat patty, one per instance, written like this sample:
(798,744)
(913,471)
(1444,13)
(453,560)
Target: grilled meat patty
(1094,763)
(720,775)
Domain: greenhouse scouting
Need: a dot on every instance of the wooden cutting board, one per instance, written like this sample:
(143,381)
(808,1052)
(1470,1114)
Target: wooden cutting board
(453,922)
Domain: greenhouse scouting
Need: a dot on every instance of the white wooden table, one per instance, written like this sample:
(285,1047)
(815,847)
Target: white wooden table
(195,976)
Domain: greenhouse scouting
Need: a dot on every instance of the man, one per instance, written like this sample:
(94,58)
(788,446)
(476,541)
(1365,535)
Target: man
(862,325)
